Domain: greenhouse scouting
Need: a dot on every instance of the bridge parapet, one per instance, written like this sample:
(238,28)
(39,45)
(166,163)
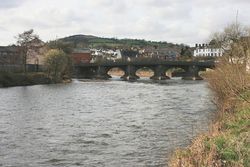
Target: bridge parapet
(147,62)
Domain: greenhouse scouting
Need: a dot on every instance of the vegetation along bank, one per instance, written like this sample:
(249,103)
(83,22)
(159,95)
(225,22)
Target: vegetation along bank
(227,144)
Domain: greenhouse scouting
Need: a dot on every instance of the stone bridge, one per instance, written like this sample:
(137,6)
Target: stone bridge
(159,67)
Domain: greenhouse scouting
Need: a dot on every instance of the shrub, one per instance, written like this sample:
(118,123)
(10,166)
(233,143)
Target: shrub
(231,78)
(58,64)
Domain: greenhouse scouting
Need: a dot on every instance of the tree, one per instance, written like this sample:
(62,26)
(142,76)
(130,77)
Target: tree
(235,42)
(186,52)
(57,63)
(28,42)
(232,33)
(58,44)
(231,76)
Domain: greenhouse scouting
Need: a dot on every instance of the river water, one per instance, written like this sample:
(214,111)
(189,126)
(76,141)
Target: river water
(92,123)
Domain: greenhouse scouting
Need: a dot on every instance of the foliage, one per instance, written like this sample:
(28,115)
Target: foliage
(230,77)
(186,52)
(65,46)
(58,65)
(114,43)
(227,144)
(230,34)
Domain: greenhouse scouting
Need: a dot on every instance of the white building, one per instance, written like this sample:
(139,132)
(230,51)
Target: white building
(205,50)
(107,54)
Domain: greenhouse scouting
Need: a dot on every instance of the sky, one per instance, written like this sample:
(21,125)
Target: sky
(176,21)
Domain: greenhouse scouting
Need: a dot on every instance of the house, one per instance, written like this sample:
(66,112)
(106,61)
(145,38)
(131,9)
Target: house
(81,56)
(105,54)
(10,55)
(163,53)
(118,54)
(128,53)
(205,50)
(37,56)
(166,54)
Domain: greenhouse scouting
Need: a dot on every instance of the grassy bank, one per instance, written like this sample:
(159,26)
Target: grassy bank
(8,79)
(226,145)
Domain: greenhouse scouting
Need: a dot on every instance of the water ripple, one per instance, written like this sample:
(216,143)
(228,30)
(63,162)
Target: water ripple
(94,123)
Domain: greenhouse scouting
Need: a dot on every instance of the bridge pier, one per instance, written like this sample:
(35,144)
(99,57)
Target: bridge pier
(102,73)
(130,74)
(84,73)
(192,73)
(159,73)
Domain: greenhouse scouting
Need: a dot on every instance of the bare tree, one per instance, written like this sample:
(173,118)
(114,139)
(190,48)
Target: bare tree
(231,75)
(28,42)
(234,40)
(232,33)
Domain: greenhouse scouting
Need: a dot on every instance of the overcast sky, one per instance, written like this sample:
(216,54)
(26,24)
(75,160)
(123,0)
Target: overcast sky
(177,21)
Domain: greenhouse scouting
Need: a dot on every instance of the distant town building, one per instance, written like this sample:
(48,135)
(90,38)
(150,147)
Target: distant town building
(10,55)
(36,56)
(161,53)
(128,53)
(108,54)
(205,50)
(81,56)
(166,54)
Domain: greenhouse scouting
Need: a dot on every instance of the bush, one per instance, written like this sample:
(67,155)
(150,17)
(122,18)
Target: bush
(227,144)
(231,78)
(58,65)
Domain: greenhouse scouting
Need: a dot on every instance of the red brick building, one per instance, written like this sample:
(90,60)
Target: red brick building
(81,56)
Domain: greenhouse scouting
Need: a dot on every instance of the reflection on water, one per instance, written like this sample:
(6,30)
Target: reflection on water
(93,123)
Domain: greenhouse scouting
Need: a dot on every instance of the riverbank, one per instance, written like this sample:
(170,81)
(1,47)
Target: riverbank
(227,143)
(8,79)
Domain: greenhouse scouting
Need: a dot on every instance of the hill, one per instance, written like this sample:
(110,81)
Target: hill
(89,41)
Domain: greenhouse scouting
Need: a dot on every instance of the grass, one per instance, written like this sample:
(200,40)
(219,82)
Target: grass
(227,144)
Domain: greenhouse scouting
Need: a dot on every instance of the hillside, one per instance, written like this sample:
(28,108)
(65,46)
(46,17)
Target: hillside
(90,41)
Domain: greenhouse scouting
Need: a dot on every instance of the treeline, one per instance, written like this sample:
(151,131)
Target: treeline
(111,43)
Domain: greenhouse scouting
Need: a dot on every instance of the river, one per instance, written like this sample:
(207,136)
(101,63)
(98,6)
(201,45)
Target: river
(101,123)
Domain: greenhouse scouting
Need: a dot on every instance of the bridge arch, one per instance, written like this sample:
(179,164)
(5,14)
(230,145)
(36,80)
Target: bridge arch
(176,71)
(115,71)
(145,72)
